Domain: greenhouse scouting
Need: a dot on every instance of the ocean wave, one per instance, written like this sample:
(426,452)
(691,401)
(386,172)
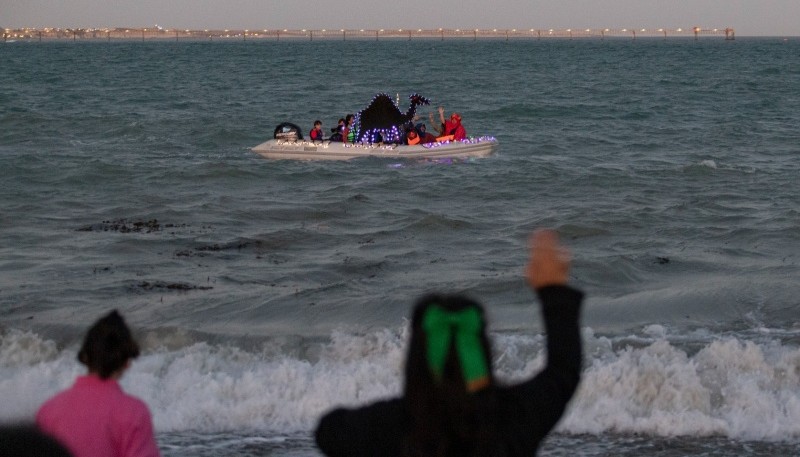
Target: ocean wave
(650,383)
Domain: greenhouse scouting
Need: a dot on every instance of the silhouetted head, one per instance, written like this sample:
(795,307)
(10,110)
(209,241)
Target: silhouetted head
(448,393)
(107,346)
(29,441)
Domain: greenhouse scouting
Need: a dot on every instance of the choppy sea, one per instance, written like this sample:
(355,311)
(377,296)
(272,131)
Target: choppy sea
(266,292)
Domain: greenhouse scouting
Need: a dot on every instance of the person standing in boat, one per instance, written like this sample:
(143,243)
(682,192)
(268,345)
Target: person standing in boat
(316,133)
(452,405)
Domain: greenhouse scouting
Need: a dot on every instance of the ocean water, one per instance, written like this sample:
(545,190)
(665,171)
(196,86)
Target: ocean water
(266,292)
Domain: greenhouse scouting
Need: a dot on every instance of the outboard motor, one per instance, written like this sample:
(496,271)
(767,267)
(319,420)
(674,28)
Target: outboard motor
(287,131)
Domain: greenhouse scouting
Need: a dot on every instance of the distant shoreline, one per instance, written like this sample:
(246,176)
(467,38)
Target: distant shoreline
(162,34)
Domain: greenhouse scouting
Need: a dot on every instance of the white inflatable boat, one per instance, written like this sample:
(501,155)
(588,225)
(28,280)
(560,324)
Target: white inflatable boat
(336,150)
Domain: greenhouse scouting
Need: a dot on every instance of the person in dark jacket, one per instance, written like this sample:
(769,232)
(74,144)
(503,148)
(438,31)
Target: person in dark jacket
(336,132)
(452,405)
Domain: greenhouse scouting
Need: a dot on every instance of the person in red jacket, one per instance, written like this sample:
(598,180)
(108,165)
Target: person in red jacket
(452,126)
(452,405)
(316,133)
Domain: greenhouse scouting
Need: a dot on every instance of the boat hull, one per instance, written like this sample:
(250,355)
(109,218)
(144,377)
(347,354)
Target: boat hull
(327,150)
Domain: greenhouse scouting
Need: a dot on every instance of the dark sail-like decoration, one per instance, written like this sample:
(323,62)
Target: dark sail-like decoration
(383,121)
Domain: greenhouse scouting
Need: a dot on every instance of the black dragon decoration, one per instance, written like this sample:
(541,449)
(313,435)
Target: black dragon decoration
(383,121)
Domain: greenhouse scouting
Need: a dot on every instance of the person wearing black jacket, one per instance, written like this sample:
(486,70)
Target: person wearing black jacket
(451,404)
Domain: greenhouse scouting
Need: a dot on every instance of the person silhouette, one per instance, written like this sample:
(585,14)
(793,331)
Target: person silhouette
(451,404)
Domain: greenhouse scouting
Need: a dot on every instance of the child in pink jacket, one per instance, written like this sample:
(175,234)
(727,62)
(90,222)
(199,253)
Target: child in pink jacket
(94,417)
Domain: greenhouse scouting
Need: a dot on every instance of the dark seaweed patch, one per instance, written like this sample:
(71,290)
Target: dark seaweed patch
(161,285)
(128,226)
(123,226)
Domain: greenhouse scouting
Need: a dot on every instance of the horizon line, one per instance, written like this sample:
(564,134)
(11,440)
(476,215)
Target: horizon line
(157,32)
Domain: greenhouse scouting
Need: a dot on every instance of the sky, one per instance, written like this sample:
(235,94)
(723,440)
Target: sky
(747,17)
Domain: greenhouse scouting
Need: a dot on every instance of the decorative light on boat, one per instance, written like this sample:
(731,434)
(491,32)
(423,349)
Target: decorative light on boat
(624,30)
(588,30)
(643,30)
(680,30)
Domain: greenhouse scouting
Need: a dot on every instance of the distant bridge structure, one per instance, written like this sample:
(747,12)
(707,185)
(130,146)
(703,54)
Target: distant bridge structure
(160,33)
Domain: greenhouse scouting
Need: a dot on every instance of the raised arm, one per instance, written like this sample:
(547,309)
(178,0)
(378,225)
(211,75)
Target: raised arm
(538,403)
(441,114)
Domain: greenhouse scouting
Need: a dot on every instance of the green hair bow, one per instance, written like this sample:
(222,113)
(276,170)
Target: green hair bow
(441,327)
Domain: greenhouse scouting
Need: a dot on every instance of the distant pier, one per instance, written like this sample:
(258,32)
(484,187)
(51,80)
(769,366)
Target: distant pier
(160,33)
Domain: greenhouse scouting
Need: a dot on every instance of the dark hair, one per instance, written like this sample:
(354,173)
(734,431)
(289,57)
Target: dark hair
(317,122)
(347,118)
(446,419)
(108,345)
(29,441)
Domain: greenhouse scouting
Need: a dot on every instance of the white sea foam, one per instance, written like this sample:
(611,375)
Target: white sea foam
(730,387)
